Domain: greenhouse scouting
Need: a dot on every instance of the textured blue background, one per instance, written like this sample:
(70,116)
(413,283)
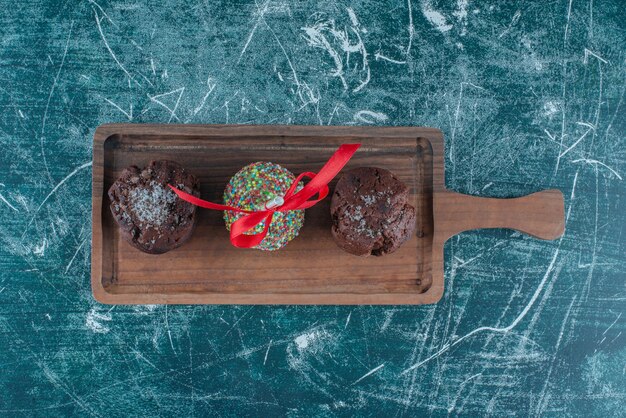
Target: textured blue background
(529,95)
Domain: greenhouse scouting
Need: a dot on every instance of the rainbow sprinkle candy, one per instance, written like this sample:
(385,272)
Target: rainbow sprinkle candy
(251,188)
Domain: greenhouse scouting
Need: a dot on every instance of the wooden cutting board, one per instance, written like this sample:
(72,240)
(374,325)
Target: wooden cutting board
(311,269)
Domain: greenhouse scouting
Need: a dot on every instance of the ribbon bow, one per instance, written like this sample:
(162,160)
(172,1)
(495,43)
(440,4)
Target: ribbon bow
(292,200)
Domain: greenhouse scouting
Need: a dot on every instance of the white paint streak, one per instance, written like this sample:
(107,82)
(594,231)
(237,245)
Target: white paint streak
(571,147)
(593,54)
(317,39)
(316,36)
(303,341)
(461,9)
(56,382)
(94,320)
(237,321)
(347,320)
(106,44)
(169,333)
(592,162)
(461,15)
(371,372)
(550,108)
(103,12)
(411,28)
(45,113)
(506,329)
(7,203)
(74,256)
(267,352)
(571,198)
(128,114)
(157,99)
(40,250)
(261,14)
(614,322)
(543,397)
(461,387)
(59,184)
(569,14)
(211,85)
(368,116)
(514,20)
(379,57)
(435,18)
(302,86)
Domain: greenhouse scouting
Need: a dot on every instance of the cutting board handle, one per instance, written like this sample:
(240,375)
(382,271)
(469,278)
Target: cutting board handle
(540,214)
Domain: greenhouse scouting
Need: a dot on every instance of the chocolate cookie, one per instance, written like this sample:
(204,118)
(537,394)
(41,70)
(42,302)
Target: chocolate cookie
(370,212)
(150,215)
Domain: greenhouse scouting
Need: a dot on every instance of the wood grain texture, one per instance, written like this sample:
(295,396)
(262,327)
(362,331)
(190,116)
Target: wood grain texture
(311,269)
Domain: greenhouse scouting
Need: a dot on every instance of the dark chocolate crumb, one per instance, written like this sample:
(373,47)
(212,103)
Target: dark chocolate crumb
(370,212)
(150,215)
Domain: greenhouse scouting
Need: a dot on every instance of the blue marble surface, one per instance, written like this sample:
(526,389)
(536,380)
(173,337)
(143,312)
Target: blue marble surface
(529,95)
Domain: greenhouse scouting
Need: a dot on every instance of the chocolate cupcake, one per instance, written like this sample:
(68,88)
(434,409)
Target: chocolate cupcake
(370,212)
(150,215)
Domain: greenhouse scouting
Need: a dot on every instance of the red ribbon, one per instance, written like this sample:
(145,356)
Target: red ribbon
(318,185)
